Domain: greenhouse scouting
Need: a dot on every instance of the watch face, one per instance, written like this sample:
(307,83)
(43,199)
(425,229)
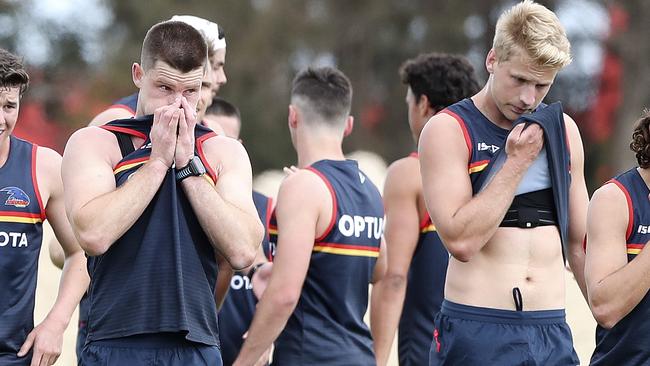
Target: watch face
(197,166)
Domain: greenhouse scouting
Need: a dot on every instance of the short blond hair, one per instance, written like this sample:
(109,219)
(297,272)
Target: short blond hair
(535,29)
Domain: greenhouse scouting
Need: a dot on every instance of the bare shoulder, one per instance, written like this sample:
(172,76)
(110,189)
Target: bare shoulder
(571,127)
(110,114)
(303,186)
(441,132)
(221,145)
(48,161)
(93,141)
(609,194)
(396,173)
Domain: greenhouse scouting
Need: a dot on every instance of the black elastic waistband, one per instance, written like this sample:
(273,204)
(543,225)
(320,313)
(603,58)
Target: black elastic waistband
(151,340)
(501,316)
(528,218)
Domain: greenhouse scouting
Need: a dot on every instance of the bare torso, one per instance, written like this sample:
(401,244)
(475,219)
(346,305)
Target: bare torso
(530,259)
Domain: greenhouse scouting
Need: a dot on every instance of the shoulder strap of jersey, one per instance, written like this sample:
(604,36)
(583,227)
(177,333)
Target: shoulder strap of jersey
(125,143)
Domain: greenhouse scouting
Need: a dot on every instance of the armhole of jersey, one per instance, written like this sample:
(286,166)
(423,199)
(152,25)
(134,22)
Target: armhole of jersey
(35,182)
(425,222)
(122,106)
(630,207)
(334,204)
(267,224)
(199,148)
(466,135)
(125,130)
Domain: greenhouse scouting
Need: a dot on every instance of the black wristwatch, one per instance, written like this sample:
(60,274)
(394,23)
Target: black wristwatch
(194,168)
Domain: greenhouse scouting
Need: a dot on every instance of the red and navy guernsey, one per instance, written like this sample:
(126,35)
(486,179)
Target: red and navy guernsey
(21,233)
(327,326)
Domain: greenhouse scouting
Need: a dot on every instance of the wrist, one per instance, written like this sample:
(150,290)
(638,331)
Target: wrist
(159,165)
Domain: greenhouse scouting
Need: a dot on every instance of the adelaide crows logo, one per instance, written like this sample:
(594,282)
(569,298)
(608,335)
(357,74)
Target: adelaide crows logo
(17,197)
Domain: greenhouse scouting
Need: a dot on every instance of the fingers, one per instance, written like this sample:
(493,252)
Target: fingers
(27,345)
(190,113)
(290,170)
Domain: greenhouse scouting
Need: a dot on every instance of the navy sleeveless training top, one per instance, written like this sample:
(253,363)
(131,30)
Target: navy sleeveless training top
(129,103)
(627,342)
(424,295)
(327,327)
(486,144)
(21,234)
(236,313)
(160,275)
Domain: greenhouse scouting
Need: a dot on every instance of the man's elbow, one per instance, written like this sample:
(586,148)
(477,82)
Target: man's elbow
(93,242)
(606,316)
(394,282)
(462,250)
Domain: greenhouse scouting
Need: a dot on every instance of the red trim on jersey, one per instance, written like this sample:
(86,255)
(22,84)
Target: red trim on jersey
(122,106)
(125,130)
(269,213)
(414,154)
(131,161)
(635,246)
(478,163)
(349,246)
(463,127)
(334,205)
(630,207)
(28,215)
(425,221)
(199,148)
(35,183)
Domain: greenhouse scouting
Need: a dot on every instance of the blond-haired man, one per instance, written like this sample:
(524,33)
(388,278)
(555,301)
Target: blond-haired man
(516,207)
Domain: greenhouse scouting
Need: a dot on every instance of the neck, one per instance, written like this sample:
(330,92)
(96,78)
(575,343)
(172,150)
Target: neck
(485,103)
(4,150)
(312,147)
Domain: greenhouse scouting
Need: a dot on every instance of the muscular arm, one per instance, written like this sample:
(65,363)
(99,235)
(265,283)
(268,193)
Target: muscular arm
(298,210)
(578,203)
(47,337)
(465,222)
(226,211)
(614,286)
(99,212)
(401,234)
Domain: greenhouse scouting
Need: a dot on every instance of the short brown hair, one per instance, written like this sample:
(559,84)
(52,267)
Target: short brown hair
(176,43)
(12,71)
(326,91)
(640,143)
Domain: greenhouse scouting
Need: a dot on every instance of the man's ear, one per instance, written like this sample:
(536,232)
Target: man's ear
(424,109)
(349,125)
(137,73)
(292,119)
(490,60)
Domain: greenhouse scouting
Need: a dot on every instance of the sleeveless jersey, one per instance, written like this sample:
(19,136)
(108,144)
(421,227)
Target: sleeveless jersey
(129,103)
(627,342)
(486,143)
(21,234)
(424,295)
(327,327)
(236,313)
(160,275)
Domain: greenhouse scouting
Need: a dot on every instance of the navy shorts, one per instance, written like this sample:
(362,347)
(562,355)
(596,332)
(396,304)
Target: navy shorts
(469,335)
(149,350)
